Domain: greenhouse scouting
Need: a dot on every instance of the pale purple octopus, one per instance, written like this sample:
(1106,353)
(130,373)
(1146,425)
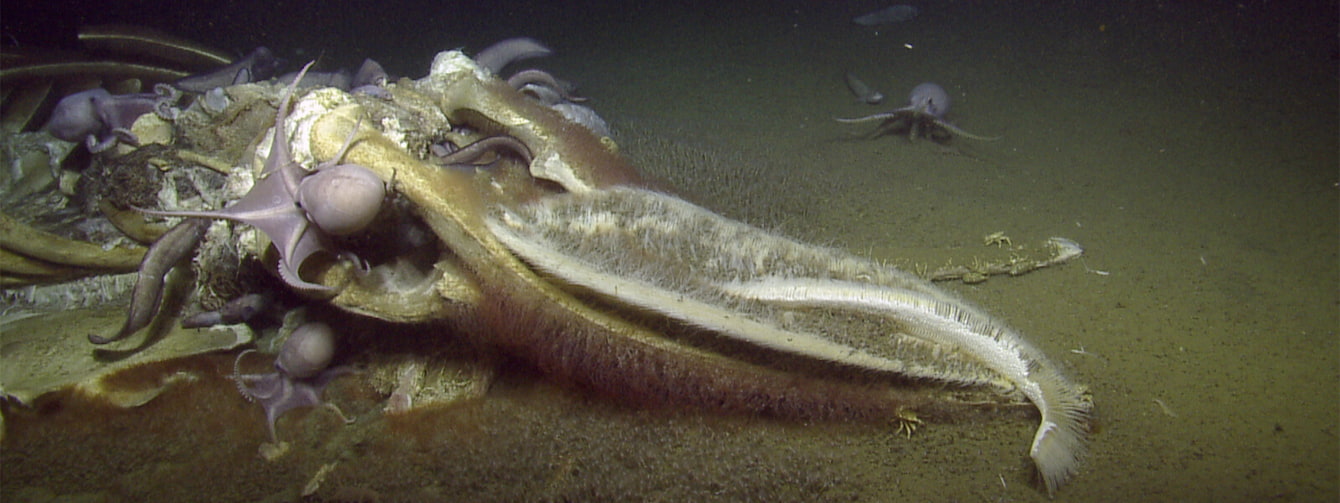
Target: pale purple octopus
(101,119)
(299,209)
(923,116)
(300,375)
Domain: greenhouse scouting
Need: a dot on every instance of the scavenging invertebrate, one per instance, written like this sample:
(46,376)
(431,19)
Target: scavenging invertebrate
(101,119)
(923,116)
(340,199)
(300,375)
(997,238)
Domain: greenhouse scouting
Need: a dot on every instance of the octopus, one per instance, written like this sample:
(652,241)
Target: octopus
(296,208)
(101,119)
(301,373)
(924,115)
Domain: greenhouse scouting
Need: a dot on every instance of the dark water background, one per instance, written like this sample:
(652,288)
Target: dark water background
(1191,147)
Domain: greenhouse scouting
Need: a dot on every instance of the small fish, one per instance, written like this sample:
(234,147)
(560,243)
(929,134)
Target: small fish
(862,91)
(258,66)
(893,14)
(173,247)
(238,310)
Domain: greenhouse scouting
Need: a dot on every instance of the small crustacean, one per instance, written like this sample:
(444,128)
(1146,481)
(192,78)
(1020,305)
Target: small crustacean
(998,238)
